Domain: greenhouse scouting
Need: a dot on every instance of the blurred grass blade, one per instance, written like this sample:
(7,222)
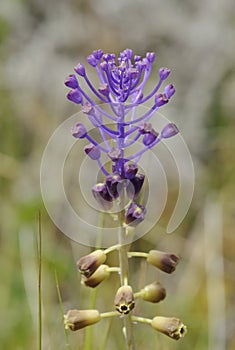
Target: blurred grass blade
(39,260)
(61,310)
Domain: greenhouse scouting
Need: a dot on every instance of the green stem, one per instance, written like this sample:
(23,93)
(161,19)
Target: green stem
(138,254)
(39,258)
(124,277)
(109,314)
(141,319)
(61,309)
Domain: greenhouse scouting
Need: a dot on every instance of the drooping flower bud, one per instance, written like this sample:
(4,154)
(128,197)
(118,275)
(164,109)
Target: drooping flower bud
(124,300)
(170,326)
(150,137)
(71,81)
(153,292)
(163,261)
(150,56)
(92,151)
(102,195)
(104,89)
(92,60)
(160,100)
(75,96)
(97,277)
(134,186)
(169,90)
(77,319)
(88,264)
(80,69)
(169,130)
(164,73)
(135,214)
(98,54)
(78,131)
(115,185)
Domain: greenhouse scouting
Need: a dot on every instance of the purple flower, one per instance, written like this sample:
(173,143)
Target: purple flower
(92,151)
(135,214)
(102,195)
(75,96)
(121,85)
(169,130)
(71,81)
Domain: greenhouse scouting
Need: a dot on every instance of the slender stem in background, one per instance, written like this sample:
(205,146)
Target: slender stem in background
(61,309)
(124,276)
(39,258)
(88,344)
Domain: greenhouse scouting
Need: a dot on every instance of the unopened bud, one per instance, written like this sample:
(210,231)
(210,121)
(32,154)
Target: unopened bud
(80,69)
(75,96)
(150,137)
(134,187)
(164,261)
(88,264)
(169,130)
(114,185)
(77,319)
(124,300)
(97,277)
(153,292)
(135,214)
(92,151)
(79,131)
(102,195)
(170,326)
(130,170)
(104,89)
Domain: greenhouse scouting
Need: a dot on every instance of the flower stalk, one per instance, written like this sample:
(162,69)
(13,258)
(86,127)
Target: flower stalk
(124,278)
(121,86)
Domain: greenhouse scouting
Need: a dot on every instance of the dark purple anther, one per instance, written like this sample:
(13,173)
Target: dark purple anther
(169,91)
(78,131)
(92,151)
(160,100)
(130,170)
(169,130)
(92,60)
(150,137)
(115,185)
(101,194)
(71,81)
(135,214)
(75,96)
(164,72)
(80,69)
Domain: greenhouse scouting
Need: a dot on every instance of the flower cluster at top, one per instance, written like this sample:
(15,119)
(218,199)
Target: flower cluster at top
(122,83)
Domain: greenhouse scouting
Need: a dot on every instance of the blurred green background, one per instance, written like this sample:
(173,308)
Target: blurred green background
(40,42)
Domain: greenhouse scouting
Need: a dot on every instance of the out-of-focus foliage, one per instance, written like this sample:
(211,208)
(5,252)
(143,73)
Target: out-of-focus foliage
(40,41)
